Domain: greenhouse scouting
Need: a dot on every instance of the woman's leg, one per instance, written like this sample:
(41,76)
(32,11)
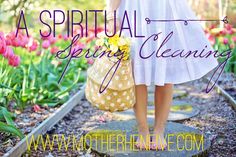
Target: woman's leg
(163,101)
(140,109)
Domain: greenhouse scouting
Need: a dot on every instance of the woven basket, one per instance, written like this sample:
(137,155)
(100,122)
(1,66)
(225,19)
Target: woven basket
(120,93)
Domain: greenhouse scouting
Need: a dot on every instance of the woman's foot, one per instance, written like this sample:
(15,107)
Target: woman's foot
(143,141)
(158,141)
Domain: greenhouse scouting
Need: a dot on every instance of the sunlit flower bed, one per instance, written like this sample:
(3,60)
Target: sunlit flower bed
(30,72)
(224,39)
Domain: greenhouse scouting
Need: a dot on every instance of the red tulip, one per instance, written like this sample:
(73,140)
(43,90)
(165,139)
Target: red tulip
(59,36)
(223,32)
(54,50)
(32,45)
(2,43)
(14,61)
(36,108)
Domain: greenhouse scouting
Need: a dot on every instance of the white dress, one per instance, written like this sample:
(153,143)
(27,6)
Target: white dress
(161,70)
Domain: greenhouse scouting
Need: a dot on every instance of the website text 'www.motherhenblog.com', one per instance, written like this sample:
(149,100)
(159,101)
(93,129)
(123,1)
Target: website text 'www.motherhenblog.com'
(112,142)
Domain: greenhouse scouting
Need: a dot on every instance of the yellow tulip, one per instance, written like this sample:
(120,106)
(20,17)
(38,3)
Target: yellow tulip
(114,48)
(101,35)
(100,42)
(122,42)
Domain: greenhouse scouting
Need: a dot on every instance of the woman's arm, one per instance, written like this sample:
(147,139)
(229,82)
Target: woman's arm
(112,5)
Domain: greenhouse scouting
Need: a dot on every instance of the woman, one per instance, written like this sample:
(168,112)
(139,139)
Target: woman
(160,71)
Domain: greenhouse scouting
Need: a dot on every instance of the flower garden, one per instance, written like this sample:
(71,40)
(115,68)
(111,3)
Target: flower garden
(29,74)
(224,39)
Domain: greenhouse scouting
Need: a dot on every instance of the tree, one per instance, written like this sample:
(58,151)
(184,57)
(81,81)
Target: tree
(223,6)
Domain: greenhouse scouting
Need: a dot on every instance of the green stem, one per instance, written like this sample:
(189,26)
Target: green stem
(1,68)
(6,87)
(69,88)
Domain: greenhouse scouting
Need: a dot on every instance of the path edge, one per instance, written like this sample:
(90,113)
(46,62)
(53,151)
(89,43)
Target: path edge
(45,126)
(221,91)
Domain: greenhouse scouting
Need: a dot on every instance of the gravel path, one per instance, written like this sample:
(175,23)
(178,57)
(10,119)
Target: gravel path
(216,118)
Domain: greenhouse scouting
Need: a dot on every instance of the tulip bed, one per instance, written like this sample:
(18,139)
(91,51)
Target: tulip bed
(224,39)
(30,72)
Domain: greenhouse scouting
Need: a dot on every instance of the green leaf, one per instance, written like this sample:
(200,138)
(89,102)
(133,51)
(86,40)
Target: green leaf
(11,129)
(1,116)
(70,87)
(7,117)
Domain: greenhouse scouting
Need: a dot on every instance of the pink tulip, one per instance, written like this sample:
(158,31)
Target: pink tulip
(225,41)
(33,46)
(228,27)
(90,38)
(9,53)
(22,40)
(231,32)
(38,53)
(15,41)
(14,61)
(234,39)
(212,26)
(46,44)
(65,37)
(223,32)
(81,45)
(232,46)
(76,50)
(52,40)
(54,50)
(212,39)
(206,31)
(45,33)
(9,39)
(101,119)
(90,61)
(2,43)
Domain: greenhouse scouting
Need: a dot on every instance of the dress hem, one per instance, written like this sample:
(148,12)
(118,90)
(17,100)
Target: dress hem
(177,82)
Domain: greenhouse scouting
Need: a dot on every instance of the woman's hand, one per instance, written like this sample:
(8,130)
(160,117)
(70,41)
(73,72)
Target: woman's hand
(111,25)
